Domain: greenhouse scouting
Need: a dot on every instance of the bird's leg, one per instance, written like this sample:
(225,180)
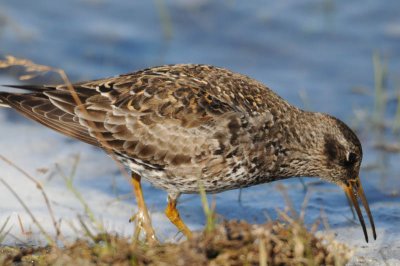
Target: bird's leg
(173,215)
(143,215)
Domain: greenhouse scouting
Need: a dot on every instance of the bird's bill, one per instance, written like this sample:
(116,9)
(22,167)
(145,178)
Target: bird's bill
(354,192)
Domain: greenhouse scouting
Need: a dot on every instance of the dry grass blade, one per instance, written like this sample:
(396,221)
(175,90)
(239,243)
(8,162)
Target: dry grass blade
(86,228)
(208,211)
(396,123)
(3,233)
(35,221)
(289,203)
(70,186)
(33,69)
(324,219)
(304,205)
(388,147)
(263,253)
(380,78)
(40,187)
(165,17)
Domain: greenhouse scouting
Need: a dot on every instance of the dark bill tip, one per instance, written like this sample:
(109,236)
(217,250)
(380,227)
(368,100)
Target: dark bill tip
(350,193)
(354,191)
(360,193)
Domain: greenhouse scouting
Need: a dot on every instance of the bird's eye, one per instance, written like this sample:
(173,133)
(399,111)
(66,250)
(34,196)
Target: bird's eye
(351,158)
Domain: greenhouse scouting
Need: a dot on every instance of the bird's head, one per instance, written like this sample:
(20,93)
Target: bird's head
(342,155)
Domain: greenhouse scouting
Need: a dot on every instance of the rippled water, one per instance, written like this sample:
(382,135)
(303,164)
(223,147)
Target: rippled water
(311,53)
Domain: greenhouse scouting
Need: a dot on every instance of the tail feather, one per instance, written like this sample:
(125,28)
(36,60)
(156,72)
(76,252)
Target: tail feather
(33,88)
(37,106)
(3,102)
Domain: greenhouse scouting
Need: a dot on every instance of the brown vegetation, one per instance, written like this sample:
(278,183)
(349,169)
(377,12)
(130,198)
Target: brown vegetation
(230,243)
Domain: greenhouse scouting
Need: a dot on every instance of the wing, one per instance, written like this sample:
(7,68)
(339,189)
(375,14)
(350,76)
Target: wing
(159,118)
(170,115)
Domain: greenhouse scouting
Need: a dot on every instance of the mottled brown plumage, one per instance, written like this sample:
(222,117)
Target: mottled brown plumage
(179,125)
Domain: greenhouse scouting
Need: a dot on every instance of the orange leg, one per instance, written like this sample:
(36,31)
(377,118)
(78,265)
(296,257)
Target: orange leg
(143,215)
(173,215)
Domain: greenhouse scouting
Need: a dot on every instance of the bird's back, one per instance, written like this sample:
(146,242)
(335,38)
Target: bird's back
(174,125)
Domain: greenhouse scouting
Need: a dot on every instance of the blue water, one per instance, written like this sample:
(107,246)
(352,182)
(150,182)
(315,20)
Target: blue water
(318,49)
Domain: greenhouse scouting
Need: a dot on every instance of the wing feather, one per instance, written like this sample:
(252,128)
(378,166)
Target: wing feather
(167,115)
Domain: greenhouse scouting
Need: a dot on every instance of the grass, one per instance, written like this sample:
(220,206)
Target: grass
(69,183)
(209,211)
(38,186)
(381,124)
(4,231)
(380,78)
(286,242)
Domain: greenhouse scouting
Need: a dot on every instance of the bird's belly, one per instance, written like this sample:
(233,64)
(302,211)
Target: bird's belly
(188,180)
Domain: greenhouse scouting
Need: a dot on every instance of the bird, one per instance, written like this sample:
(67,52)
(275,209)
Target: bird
(185,125)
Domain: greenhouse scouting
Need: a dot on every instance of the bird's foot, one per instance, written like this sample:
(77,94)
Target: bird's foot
(142,224)
(173,215)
